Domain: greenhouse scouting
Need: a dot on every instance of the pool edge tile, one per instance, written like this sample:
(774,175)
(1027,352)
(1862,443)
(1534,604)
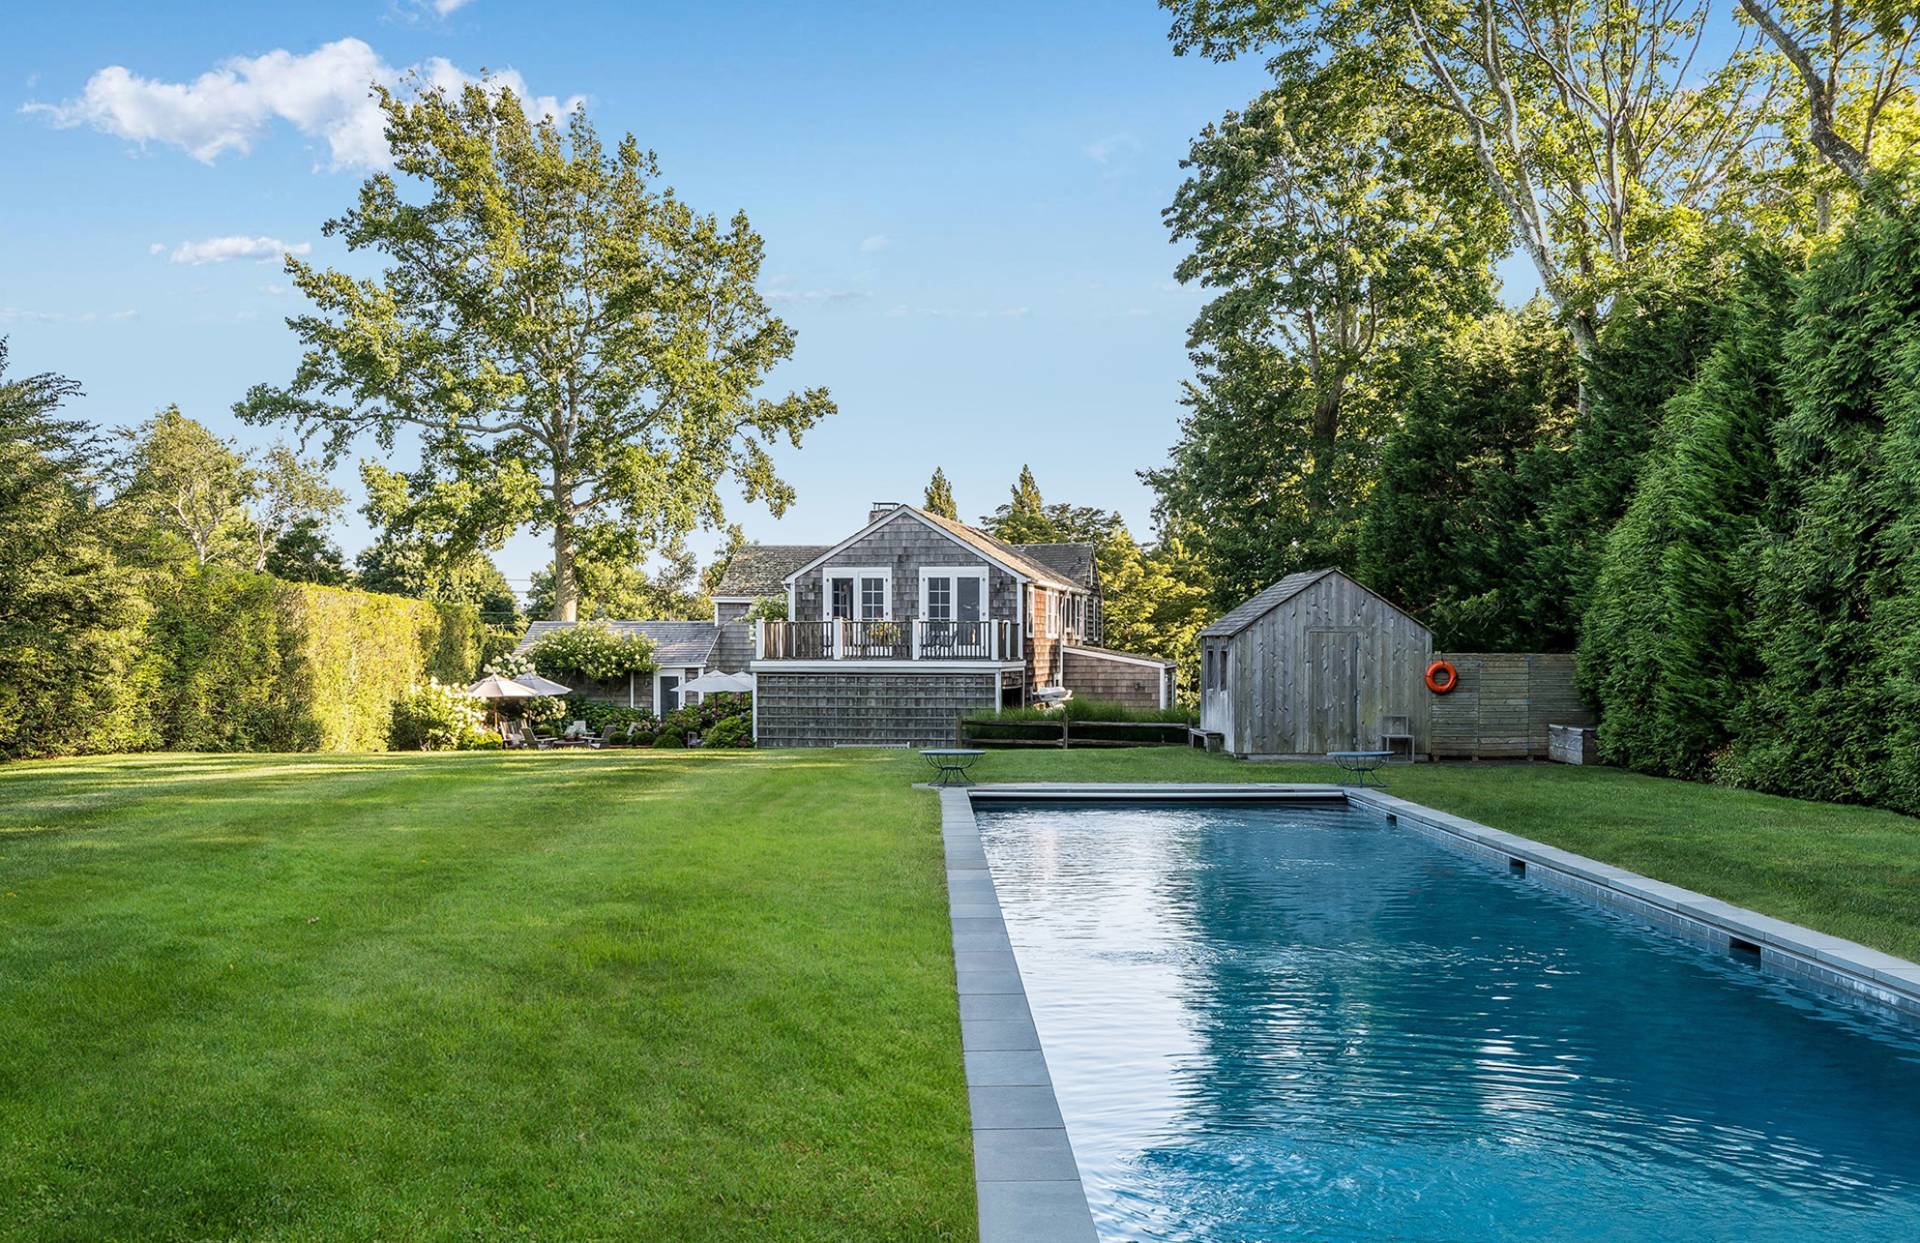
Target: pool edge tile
(1026,1182)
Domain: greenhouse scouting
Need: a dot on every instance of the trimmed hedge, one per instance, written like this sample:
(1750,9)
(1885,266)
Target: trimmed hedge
(247,662)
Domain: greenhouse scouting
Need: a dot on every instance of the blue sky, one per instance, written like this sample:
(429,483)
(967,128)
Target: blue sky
(961,205)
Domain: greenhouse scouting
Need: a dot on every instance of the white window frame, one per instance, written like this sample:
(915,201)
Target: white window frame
(1053,614)
(860,575)
(659,693)
(1029,600)
(957,572)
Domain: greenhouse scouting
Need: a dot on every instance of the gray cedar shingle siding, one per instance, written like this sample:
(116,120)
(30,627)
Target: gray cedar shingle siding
(902,546)
(868,709)
(734,652)
(1315,663)
(1073,562)
(1094,673)
(757,570)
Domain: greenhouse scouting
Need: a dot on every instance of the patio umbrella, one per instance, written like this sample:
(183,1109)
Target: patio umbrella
(545,686)
(721,684)
(495,687)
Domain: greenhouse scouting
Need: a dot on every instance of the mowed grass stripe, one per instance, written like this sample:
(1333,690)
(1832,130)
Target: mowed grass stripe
(677,997)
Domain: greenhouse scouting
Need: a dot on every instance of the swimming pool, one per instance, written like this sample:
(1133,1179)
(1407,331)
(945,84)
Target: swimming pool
(1269,1022)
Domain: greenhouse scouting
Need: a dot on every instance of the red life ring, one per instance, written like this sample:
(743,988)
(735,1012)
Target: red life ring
(1436,671)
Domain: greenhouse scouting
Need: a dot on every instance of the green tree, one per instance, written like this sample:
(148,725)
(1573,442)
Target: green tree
(1327,218)
(1606,129)
(1453,526)
(1854,60)
(1834,614)
(1156,601)
(570,342)
(70,612)
(615,591)
(285,492)
(432,536)
(939,498)
(1028,519)
(1663,648)
(188,488)
(304,554)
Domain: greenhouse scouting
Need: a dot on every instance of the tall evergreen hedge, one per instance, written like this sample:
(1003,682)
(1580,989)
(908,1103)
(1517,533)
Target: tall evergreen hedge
(1835,710)
(247,662)
(1756,614)
(1662,645)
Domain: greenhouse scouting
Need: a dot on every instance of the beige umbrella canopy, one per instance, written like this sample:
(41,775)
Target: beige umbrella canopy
(493,686)
(721,684)
(545,686)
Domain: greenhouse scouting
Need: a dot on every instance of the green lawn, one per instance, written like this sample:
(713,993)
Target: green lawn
(603,995)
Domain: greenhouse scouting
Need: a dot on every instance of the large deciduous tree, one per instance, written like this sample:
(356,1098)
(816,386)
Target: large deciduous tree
(189,485)
(575,347)
(1854,60)
(1596,124)
(1323,220)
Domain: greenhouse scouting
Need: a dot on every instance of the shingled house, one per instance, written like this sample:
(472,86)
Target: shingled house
(895,631)
(915,619)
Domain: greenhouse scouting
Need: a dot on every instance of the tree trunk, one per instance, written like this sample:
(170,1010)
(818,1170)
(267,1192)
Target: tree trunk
(566,590)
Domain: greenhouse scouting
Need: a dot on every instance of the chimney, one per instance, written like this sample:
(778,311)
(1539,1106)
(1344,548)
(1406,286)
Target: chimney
(879,509)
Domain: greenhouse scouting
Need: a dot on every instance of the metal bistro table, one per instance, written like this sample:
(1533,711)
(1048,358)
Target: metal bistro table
(1359,764)
(952,763)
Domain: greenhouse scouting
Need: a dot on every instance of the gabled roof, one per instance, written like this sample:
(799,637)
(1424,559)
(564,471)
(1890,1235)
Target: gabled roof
(1278,594)
(757,570)
(1074,562)
(1005,555)
(676,644)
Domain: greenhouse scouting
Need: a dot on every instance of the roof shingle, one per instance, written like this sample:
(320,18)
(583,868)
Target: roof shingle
(757,570)
(676,644)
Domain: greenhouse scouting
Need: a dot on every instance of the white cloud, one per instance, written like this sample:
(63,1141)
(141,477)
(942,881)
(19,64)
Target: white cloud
(325,94)
(157,248)
(1105,149)
(816,295)
(14,315)
(874,243)
(235,246)
(442,8)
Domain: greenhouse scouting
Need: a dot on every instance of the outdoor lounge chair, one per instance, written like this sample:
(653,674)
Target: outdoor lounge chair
(605,739)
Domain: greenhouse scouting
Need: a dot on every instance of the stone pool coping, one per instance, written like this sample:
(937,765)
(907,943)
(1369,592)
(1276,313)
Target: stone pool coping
(1027,1182)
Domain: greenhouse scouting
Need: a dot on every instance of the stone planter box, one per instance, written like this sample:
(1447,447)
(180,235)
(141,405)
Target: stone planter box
(1572,744)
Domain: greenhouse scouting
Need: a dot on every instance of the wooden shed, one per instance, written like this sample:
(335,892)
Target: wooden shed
(1315,663)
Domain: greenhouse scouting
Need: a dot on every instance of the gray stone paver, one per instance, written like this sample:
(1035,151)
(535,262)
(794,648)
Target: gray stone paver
(1024,1173)
(1038,1155)
(1002,1068)
(1014,1107)
(1035,1212)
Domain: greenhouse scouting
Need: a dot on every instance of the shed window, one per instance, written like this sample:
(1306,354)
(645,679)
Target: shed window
(1207,680)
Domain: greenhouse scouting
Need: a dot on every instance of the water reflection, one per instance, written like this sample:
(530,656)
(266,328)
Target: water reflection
(1270,1023)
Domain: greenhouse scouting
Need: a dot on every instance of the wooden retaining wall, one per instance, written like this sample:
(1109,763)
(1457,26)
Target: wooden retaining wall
(1503,705)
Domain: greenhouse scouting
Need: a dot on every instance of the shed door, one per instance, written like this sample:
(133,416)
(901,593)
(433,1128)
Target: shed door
(1333,706)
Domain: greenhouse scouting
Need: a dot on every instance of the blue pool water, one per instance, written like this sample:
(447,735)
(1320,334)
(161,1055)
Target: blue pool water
(1280,1023)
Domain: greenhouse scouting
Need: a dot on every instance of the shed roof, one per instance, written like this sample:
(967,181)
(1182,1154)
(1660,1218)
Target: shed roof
(676,644)
(1072,561)
(757,570)
(1252,610)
